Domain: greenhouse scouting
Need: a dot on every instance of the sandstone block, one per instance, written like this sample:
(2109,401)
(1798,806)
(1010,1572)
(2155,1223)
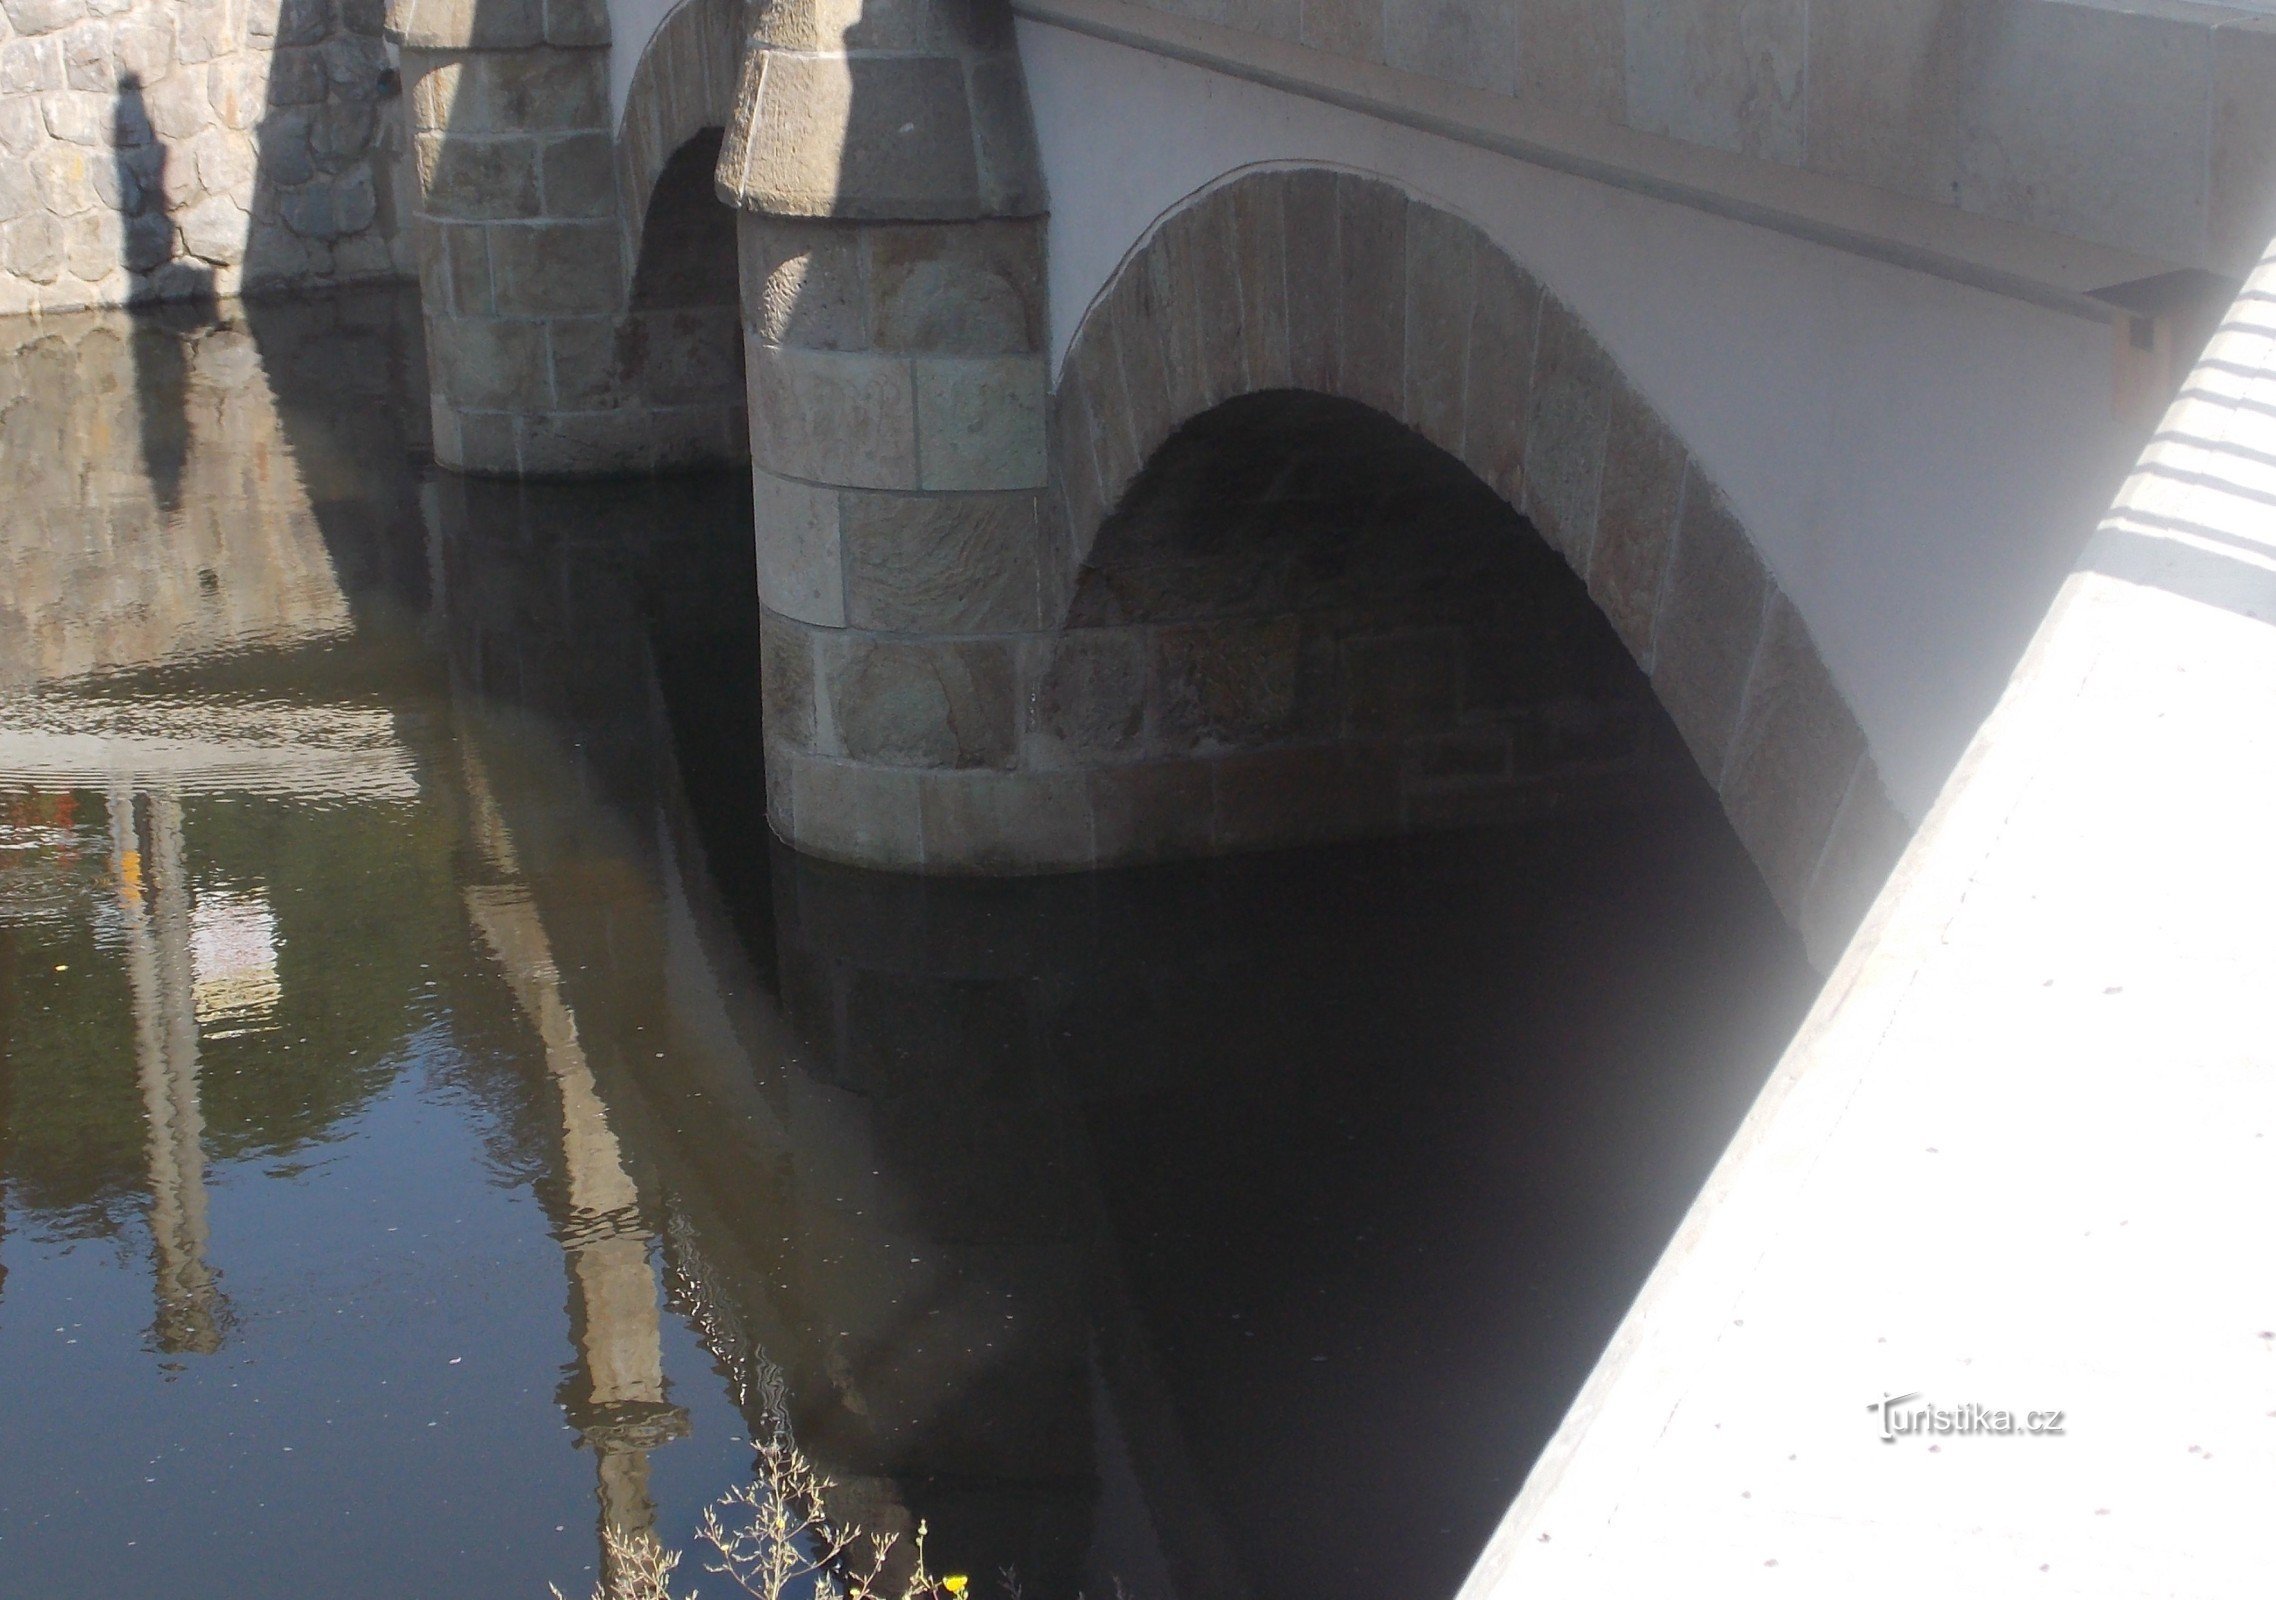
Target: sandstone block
(1220,341)
(1349,28)
(556,269)
(1135,321)
(534,91)
(1572,385)
(973,288)
(1152,811)
(1372,223)
(999,822)
(19,190)
(861,814)
(201,30)
(471,24)
(21,125)
(980,422)
(225,162)
(900,146)
(1087,695)
(1572,57)
(1260,259)
(1315,285)
(1792,758)
(1710,618)
(95,244)
(213,230)
(1094,398)
(802,282)
(1454,41)
(81,119)
(1009,175)
(61,178)
(1074,471)
(471,178)
(588,362)
(178,107)
(43,16)
(799,549)
(1442,285)
(579,176)
(690,357)
(831,417)
(946,564)
(88,62)
(485,364)
(931,703)
(30,66)
(576,24)
(1499,376)
(786,681)
(1644,467)
(1725,76)
(32,248)
(1227,683)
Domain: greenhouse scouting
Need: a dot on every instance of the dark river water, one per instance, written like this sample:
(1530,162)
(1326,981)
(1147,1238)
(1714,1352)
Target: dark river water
(438,1123)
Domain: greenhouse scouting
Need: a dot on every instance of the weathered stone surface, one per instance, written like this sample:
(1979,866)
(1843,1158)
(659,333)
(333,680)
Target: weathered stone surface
(225,163)
(1503,326)
(848,812)
(970,288)
(945,564)
(1260,264)
(1710,617)
(999,822)
(1315,287)
(1225,684)
(786,681)
(1884,85)
(2067,122)
(1442,285)
(832,417)
(340,134)
(1087,696)
(32,247)
(934,703)
(43,16)
(1373,235)
(1792,759)
(1096,402)
(1572,56)
(1729,77)
(483,364)
(1644,466)
(802,283)
(901,147)
(1219,340)
(980,422)
(1454,41)
(558,269)
(329,211)
(471,24)
(214,230)
(799,553)
(1352,28)
(1573,381)
(466,177)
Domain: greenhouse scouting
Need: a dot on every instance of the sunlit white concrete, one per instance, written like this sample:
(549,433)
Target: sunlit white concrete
(2023,1153)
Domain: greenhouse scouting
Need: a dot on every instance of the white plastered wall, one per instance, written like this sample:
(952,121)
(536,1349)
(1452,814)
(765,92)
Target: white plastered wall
(1919,462)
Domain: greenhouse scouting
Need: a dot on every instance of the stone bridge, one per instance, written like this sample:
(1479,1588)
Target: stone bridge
(1183,428)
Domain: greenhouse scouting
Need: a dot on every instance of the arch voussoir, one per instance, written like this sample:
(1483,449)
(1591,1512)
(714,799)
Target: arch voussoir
(1345,284)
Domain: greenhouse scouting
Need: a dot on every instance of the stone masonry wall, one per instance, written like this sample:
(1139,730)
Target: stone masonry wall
(2149,125)
(178,149)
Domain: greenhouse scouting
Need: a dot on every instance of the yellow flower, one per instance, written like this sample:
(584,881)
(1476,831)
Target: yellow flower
(955,1583)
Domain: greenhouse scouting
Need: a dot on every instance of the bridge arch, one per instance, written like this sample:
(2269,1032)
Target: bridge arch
(1341,283)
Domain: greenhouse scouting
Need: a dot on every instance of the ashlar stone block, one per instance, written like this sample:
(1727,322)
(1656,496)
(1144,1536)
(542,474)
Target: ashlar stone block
(1709,620)
(1572,389)
(801,571)
(1504,323)
(922,703)
(1442,286)
(980,423)
(968,289)
(962,563)
(833,417)
(1372,233)
(1087,696)
(1792,758)
(1644,468)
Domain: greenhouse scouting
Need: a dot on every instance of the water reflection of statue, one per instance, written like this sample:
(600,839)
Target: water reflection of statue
(617,1400)
(154,902)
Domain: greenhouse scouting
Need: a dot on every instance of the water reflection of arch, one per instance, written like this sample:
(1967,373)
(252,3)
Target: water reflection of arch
(937,1310)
